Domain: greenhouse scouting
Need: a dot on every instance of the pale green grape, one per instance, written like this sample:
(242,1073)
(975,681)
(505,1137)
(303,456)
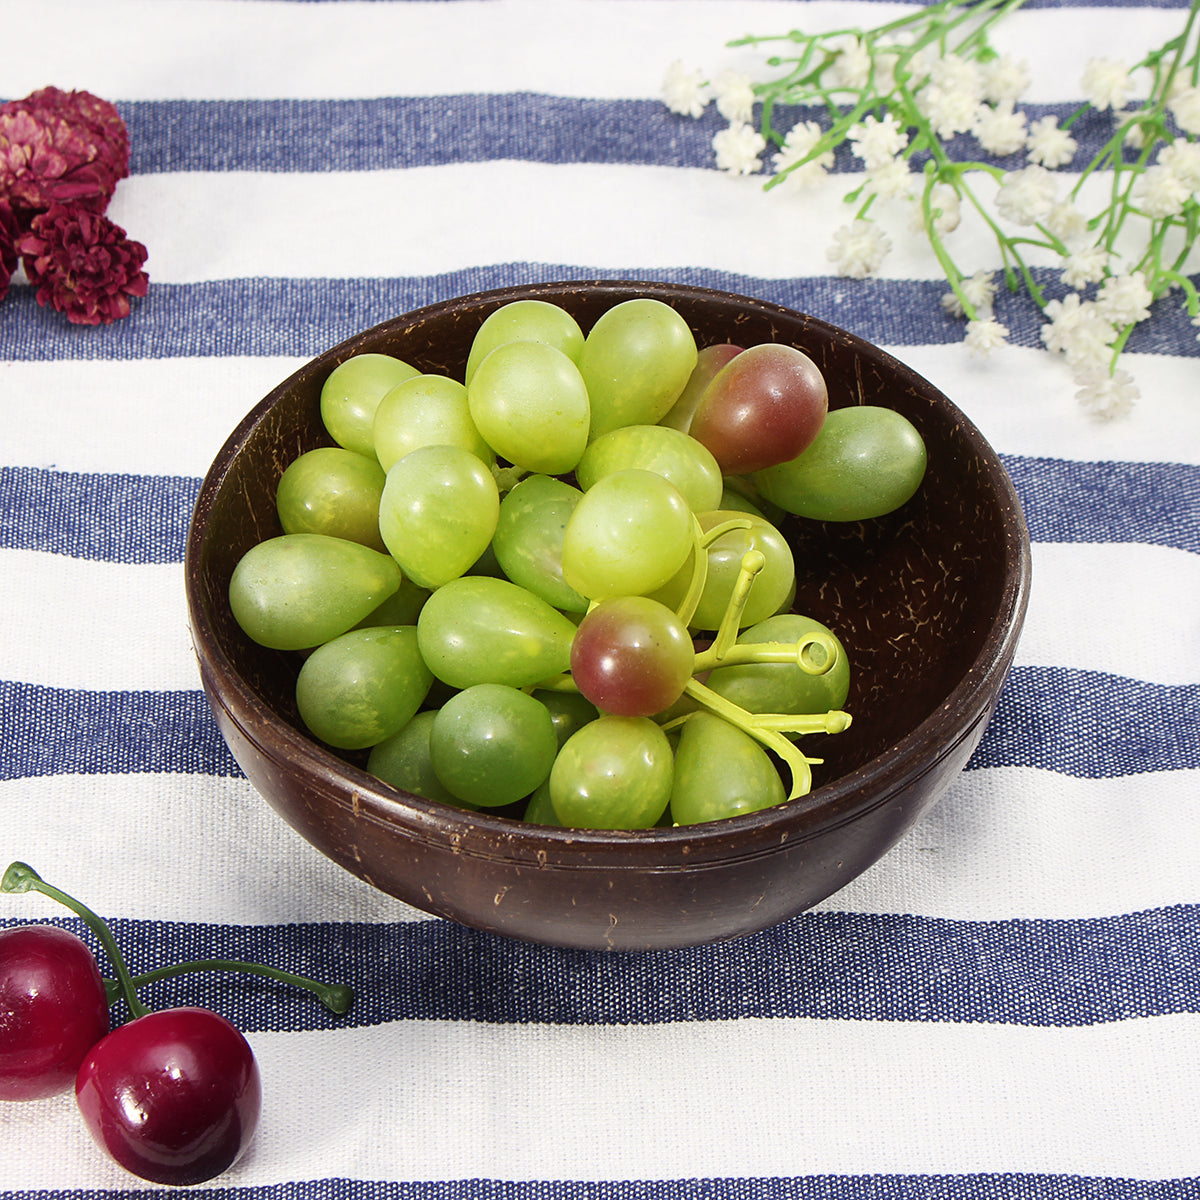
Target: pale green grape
(438,512)
(427,410)
(636,361)
(529,402)
(351,394)
(298,590)
(667,452)
(720,771)
(526,321)
(627,536)
(478,629)
(404,761)
(492,744)
(333,491)
(363,686)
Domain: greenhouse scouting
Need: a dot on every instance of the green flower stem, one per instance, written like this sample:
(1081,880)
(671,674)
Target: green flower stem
(336,997)
(20,877)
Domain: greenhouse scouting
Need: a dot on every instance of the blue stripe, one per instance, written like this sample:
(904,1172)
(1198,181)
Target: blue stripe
(144,518)
(816,966)
(303,317)
(1080,723)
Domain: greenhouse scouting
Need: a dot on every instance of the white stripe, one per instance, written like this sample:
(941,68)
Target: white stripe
(606,49)
(1003,843)
(751,1099)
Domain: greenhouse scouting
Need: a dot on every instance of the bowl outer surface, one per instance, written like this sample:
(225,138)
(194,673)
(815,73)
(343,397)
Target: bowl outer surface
(929,602)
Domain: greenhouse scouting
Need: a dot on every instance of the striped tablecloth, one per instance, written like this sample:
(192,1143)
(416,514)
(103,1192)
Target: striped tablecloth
(1006,1005)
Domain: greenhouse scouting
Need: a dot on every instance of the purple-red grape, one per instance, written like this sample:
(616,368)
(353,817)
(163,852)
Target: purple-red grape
(173,1096)
(53,1010)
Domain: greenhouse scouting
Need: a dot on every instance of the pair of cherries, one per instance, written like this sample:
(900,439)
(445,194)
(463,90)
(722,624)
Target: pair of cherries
(173,1096)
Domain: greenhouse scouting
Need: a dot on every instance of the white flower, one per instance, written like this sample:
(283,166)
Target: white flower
(1085,266)
(945,206)
(947,111)
(735,96)
(1159,192)
(1077,329)
(737,148)
(801,139)
(954,73)
(1048,145)
(1125,299)
(683,90)
(979,291)
(1066,222)
(1005,79)
(851,69)
(877,142)
(1106,83)
(1185,108)
(858,249)
(1105,395)
(1000,130)
(1135,135)
(1183,158)
(984,336)
(891,179)
(1026,196)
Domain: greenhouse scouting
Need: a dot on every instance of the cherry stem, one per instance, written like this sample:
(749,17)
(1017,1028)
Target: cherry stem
(20,877)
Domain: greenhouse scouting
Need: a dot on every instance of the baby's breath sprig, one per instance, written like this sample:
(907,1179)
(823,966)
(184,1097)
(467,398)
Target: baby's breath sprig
(908,96)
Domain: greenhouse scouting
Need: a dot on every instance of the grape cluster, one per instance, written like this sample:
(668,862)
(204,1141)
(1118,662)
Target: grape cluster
(559,583)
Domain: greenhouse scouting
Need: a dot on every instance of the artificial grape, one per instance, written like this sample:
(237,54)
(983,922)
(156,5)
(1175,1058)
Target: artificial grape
(709,361)
(402,607)
(627,536)
(174,1096)
(529,536)
(492,744)
(667,452)
(866,462)
(636,360)
(529,402)
(404,761)
(360,688)
(539,808)
(763,407)
(614,773)
(427,410)
(298,590)
(720,771)
(632,656)
(333,491)
(351,394)
(774,687)
(479,629)
(53,1010)
(438,512)
(568,710)
(526,321)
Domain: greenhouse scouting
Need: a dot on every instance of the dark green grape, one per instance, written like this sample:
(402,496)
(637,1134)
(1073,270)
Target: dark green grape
(404,761)
(539,809)
(720,771)
(568,710)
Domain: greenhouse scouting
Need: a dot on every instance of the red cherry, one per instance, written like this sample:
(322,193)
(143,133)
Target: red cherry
(53,1010)
(173,1096)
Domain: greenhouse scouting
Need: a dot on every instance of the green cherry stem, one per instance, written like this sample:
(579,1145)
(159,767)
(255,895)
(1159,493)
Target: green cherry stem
(797,654)
(20,877)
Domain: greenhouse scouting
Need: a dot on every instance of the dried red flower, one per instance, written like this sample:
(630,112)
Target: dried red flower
(8,245)
(82,264)
(65,147)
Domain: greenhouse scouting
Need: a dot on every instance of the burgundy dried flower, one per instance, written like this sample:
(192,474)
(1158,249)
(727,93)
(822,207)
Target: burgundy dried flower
(65,147)
(83,265)
(8,245)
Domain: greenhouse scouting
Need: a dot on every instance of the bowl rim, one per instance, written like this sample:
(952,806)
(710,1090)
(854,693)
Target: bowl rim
(486,835)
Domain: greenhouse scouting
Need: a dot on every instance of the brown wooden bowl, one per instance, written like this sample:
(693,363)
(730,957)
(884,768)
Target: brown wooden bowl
(928,601)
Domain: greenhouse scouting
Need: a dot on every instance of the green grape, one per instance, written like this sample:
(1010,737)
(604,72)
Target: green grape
(492,744)
(402,607)
(866,462)
(333,491)
(627,536)
(438,512)
(614,773)
(539,809)
(404,761)
(666,452)
(636,360)
(360,688)
(529,402)
(352,393)
(720,771)
(709,361)
(526,321)
(568,710)
(427,410)
(529,537)
(479,629)
(298,590)
(776,687)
